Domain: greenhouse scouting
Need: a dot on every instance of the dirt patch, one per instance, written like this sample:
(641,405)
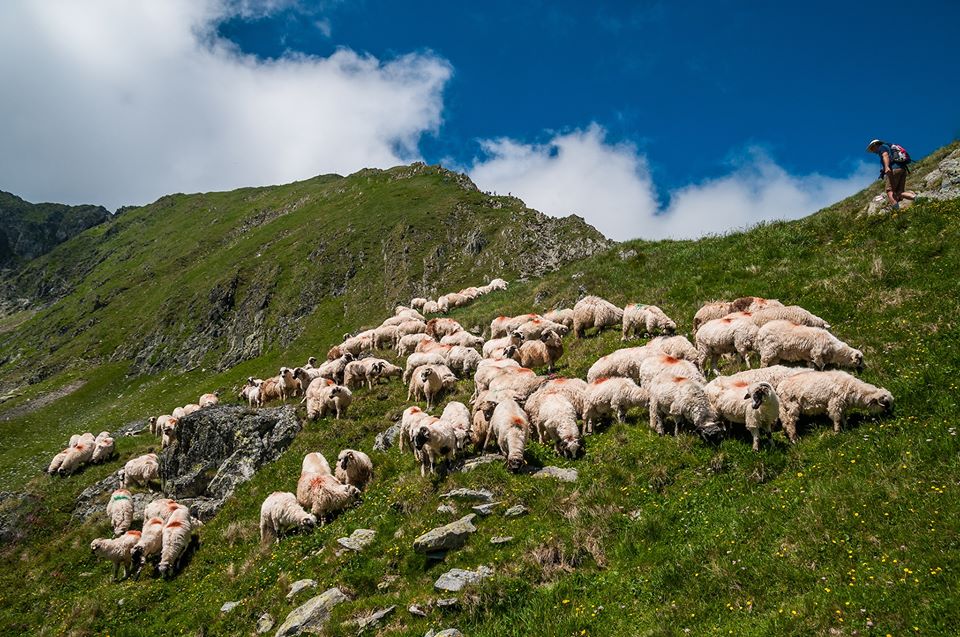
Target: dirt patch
(42,401)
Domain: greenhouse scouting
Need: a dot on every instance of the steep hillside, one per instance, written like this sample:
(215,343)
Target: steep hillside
(853,533)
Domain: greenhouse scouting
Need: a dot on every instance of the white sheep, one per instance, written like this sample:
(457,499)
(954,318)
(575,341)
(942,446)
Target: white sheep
(557,423)
(462,338)
(330,399)
(270,390)
(679,399)
(564,316)
(117,550)
(452,300)
(120,511)
(503,325)
(728,335)
(785,341)
(741,380)
(160,508)
(58,459)
(209,400)
(354,467)
(169,432)
(429,381)
(289,384)
(457,414)
(141,470)
(356,345)
(652,366)
(407,313)
(150,543)
(417,359)
(418,303)
(594,312)
(833,393)
(719,309)
(409,421)
(407,344)
(622,363)
(520,380)
(435,440)
(315,462)
(497,284)
(315,395)
(431,307)
(754,405)
(676,346)
(535,328)
(646,320)
(494,348)
(385,336)
(77,455)
(281,512)
(177,535)
(430,346)
(323,495)
(333,369)
(365,371)
(544,351)
(192,408)
(573,389)
(440,327)
(510,427)
(249,393)
(463,360)
(792,313)
(611,396)
(487,369)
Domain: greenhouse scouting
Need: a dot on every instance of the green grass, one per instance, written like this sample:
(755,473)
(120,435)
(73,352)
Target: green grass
(836,534)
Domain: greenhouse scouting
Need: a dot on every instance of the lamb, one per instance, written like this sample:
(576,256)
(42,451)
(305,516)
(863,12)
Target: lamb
(563,316)
(314,462)
(409,422)
(150,543)
(725,336)
(719,309)
(682,399)
(354,467)
(557,423)
(510,427)
(503,325)
(418,359)
(116,550)
(440,327)
(429,381)
(334,369)
(169,433)
(177,535)
(640,319)
(676,346)
(651,366)
(408,343)
(77,455)
(281,512)
(754,405)
(463,360)
(323,495)
(535,328)
(120,511)
(785,341)
(327,399)
(462,338)
(289,385)
(385,336)
(209,400)
(141,470)
(103,448)
(544,352)
(249,393)
(594,312)
(494,347)
(792,313)
(520,380)
(311,363)
(616,396)
(457,414)
(834,393)
(435,440)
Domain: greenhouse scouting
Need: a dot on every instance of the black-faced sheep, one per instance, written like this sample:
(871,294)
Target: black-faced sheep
(645,320)
(417,359)
(409,422)
(833,393)
(785,341)
(483,408)
(435,440)
(117,550)
(354,467)
(594,312)
(755,405)
(335,368)
(494,348)
(333,399)
(281,512)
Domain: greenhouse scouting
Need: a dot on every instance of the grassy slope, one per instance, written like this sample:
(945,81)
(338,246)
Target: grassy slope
(837,532)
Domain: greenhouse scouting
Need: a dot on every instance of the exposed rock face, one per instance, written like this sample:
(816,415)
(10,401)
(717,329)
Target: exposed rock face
(447,537)
(301,585)
(311,617)
(482,495)
(943,182)
(93,499)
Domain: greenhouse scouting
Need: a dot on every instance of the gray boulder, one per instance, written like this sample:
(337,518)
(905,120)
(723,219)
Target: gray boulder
(265,623)
(301,585)
(455,579)
(311,617)
(374,618)
(487,458)
(564,475)
(516,511)
(447,537)
(358,539)
(387,438)
(468,494)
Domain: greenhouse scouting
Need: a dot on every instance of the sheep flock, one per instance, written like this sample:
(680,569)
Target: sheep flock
(794,367)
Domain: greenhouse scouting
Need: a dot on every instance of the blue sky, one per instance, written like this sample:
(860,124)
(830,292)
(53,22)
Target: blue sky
(648,119)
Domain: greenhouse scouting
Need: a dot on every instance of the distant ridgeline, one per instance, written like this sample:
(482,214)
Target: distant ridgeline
(30,230)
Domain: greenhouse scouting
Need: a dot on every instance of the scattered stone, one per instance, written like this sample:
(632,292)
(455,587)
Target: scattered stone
(449,632)
(374,618)
(516,511)
(455,579)
(626,255)
(484,509)
(447,537)
(469,494)
(473,463)
(301,585)
(416,610)
(228,606)
(564,475)
(446,508)
(121,601)
(312,616)
(358,539)
(265,623)
(635,515)
(447,602)
(500,539)
(385,583)
(387,438)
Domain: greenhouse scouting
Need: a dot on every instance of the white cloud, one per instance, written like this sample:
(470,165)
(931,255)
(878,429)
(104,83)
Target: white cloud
(611,186)
(121,101)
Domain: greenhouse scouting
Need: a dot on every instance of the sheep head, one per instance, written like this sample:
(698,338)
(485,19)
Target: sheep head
(308,521)
(759,393)
(421,438)
(881,401)
(346,457)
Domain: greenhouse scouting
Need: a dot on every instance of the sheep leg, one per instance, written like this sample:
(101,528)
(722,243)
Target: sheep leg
(755,432)
(835,410)
(656,420)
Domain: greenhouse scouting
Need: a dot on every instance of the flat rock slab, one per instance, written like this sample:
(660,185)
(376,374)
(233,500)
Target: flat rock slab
(446,508)
(311,617)
(386,439)
(501,539)
(358,540)
(448,632)
(516,511)
(265,623)
(228,606)
(416,610)
(564,475)
(455,579)
(447,602)
(447,537)
(483,495)
(473,463)
(484,509)
(301,585)
(375,618)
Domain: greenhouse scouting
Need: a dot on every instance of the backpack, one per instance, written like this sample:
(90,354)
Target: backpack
(899,154)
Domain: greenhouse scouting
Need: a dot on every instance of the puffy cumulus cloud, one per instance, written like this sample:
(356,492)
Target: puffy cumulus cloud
(611,187)
(121,101)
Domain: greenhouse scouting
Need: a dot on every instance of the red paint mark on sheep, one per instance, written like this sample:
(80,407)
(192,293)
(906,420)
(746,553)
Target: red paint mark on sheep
(669,360)
(600,380)
(741,383)
(134,533)
(679,379)
(174,524)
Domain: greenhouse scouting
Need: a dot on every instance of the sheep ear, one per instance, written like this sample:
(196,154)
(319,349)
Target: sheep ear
(747,397)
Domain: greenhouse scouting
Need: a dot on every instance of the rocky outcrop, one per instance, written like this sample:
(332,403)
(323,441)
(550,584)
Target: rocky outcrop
(943,182)
(311,617)
(445,538)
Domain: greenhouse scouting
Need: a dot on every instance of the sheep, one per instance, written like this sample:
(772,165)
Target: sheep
(677,398)
(497,284)
(141,470)
(520,380)
(435,440)
(408,343)
(676,346)
(409,421)
(483,408)
(471,292)
(103,448)
(306,375)
(462,338)
(785,341)
(623,363)
(289,385)
(156,424)
(192,408)
(834,393)
(573,389)
(640,319)
(417,359)
(356,345)
(431,307)
(429,381)
(169,433)
(510,427)
(724,336)
(503,325)
(279,513)
(440,327)
(606,396)
(719,309)
(160,508)
(452,300)
(494,347)
(249,393)
(557,423)
(418,303)
(457,414)
(651,366)
(364,371)
(354,467)
(430,346)
(563,316)
(334,369)
(543,352)
(177,535)
(463,360)
(592,311)
(178,413)
(150,543)
(315,395)
(741,380)
(270,390)
(385,336)
(311,363)
(754,405)
(323,495)
(408,313)
(209,400)
(535,328)
(326,399)
(77,455)
(314,462)
(57,461)
(792,313)
(487,369)
(120,511)
(117,550)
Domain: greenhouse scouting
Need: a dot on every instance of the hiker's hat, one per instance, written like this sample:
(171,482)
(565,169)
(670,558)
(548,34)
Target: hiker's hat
(873,145)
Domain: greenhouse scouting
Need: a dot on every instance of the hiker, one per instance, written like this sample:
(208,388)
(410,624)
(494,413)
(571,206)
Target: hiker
(894,160)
